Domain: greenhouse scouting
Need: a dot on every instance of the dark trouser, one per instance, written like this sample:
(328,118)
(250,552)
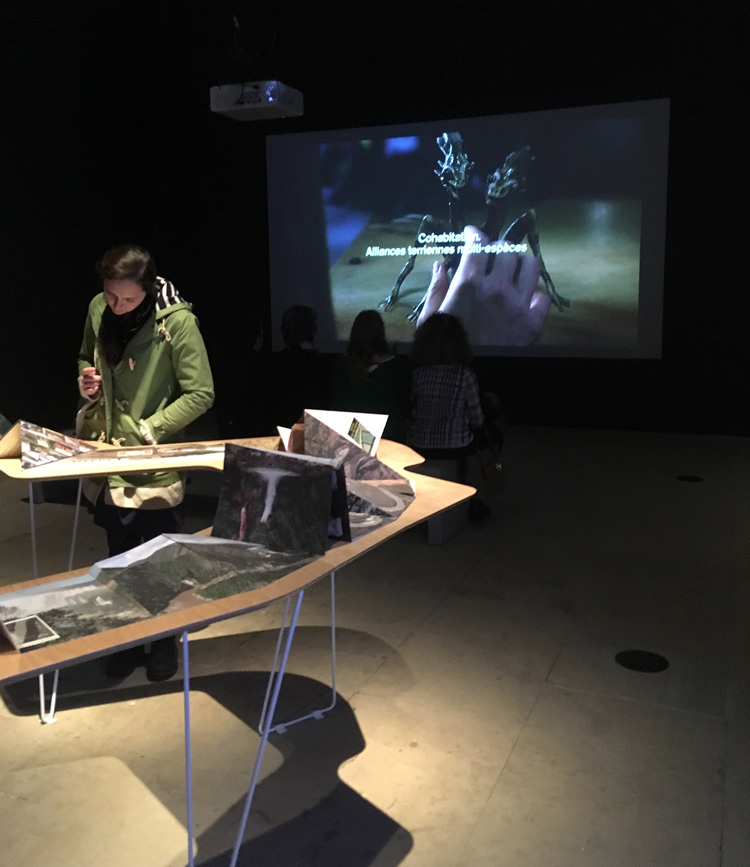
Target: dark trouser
(447,454)
(128,528)
(495,421)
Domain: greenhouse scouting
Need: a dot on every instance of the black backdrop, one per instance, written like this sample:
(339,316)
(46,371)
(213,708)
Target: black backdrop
(106,136)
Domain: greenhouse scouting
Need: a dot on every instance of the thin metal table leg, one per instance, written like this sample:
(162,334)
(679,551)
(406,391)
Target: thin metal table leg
(75,525)
(279,676)
(44,717)
(32,516)
(274,668)
(188,750)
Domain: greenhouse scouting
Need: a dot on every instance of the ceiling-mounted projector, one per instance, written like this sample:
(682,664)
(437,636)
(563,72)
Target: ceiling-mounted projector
(256,100)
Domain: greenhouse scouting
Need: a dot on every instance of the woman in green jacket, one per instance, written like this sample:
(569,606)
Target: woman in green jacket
(144,374)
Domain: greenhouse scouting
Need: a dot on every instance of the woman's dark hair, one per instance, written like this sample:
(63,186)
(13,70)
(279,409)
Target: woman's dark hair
(366,340)
(298,325)
(441,339)
(129,262)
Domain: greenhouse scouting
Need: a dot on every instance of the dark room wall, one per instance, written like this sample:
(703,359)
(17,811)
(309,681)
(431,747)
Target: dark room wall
(107,137)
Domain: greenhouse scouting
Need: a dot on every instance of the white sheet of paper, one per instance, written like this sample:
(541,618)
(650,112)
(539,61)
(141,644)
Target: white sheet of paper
(285,433)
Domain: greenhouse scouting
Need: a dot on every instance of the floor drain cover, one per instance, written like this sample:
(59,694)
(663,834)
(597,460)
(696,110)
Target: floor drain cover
(689,478)
(641,660)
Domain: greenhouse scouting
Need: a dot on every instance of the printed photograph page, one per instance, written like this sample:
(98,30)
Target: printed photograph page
(67,609)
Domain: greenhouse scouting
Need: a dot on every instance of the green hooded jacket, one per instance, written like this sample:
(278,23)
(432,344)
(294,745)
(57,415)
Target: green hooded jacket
(163,379)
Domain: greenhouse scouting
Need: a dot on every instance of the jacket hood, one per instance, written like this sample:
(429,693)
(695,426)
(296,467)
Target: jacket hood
(168,298)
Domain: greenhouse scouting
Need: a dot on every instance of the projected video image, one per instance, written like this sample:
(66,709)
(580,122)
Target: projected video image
(582,190)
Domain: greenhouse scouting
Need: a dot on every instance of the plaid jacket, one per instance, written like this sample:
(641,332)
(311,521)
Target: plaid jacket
(445,406)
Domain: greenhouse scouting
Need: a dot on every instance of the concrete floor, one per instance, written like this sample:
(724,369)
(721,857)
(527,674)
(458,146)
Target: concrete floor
(482,719)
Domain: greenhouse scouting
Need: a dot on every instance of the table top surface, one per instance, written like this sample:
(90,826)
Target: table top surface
(432,496)
(137,460)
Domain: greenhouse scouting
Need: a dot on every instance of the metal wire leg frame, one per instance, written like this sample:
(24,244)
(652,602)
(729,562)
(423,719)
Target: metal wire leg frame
(280,728)
(276,678)
(265,727)
(44,717)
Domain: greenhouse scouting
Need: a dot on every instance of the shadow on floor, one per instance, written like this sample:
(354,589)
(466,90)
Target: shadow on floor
(303,815)
(341,830)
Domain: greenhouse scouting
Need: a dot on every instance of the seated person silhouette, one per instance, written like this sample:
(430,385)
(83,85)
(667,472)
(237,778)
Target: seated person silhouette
(299,375)
(370,378)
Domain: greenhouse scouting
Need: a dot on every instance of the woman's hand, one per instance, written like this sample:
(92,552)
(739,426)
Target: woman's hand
(89,383)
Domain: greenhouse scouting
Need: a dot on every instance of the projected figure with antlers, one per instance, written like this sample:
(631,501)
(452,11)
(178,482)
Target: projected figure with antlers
(501,188)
